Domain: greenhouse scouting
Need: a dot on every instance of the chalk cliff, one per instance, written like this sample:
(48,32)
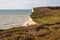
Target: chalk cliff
(48,19)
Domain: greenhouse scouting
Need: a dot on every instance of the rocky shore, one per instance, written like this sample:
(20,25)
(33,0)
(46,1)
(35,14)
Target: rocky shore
(48,28)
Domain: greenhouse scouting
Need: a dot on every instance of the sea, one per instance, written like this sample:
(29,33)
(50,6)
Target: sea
(13,18)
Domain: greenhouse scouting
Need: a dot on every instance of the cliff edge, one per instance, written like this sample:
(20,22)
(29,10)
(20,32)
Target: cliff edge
(48,19)
(46,15)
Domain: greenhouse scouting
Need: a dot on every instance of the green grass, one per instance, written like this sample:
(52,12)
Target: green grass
(51,18)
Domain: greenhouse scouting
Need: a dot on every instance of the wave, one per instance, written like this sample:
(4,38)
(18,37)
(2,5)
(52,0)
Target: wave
(10,21)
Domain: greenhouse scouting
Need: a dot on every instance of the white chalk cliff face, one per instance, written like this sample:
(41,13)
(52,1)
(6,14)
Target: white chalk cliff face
(29,22)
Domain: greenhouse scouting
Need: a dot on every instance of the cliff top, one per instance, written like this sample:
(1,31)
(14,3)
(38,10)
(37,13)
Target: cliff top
(46,15)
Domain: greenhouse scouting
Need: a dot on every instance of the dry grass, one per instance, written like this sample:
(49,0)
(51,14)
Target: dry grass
(33,32)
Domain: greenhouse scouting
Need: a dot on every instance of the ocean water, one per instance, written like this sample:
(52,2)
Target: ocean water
(13,18)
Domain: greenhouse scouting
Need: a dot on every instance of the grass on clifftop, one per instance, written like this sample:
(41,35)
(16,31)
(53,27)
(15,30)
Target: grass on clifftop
(46,19)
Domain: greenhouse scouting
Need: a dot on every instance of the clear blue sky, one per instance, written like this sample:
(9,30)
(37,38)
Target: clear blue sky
(27,4)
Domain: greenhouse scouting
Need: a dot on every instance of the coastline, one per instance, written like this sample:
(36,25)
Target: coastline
(29,22)
(32,31)
(17,24)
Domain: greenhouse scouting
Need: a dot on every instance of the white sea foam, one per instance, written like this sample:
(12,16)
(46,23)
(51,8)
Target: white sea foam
(10,21)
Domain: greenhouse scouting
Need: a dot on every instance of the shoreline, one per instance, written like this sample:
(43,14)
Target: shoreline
(26,23)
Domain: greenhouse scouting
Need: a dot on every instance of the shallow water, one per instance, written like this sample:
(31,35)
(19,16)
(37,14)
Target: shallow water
(9,19)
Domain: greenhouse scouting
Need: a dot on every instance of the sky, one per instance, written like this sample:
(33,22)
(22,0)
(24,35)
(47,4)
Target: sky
(27,4)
